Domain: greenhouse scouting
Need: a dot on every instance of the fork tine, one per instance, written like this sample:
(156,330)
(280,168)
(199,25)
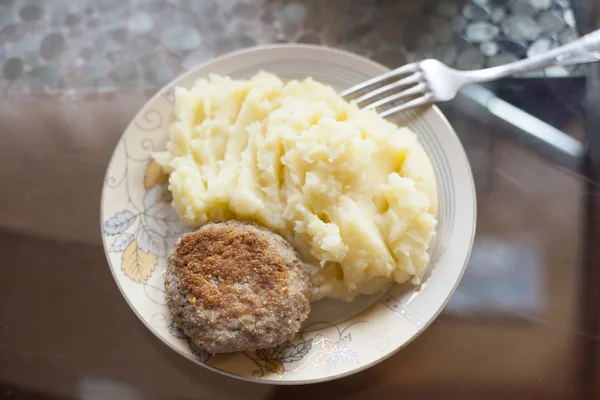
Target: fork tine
(420,88)
(420,101)
(408,68)
(414,78)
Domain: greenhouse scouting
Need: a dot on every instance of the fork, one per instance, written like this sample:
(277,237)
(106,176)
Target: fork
(430,81)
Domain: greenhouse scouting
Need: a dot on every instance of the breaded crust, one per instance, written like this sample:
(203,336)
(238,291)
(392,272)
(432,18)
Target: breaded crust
(236,286)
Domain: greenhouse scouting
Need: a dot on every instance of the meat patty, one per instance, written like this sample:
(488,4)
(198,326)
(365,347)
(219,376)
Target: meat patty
(236,286)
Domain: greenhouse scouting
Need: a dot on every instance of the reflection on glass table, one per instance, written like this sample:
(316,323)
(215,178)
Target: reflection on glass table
(524,322)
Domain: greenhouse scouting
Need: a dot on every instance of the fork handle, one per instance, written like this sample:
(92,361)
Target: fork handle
(582,50)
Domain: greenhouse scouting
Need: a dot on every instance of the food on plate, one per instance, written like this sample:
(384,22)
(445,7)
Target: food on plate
(353,193)
(235,286)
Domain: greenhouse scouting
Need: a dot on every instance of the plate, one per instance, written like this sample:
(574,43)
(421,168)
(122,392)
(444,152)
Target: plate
(139,227)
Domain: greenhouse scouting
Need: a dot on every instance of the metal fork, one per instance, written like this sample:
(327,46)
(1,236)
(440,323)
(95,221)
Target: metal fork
(430,81)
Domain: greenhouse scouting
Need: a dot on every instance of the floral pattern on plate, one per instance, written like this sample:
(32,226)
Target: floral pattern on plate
(139,228)
(144,236)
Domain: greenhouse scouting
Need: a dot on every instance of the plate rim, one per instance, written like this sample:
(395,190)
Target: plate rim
(275,47)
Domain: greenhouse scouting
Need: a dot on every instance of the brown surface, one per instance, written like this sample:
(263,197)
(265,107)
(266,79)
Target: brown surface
(52,197)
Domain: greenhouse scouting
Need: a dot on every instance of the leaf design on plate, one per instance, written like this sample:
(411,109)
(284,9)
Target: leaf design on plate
(119,222)
(151,241)
(322,358)
(162,218)
(330,365)
(157,194)
(176,331)
(154,175)
(277,351)
(121,242)
(137,264)
(275,366)
(329,344)
(155,294)
(263,354)
(200,353)
(295,352)
(344,353)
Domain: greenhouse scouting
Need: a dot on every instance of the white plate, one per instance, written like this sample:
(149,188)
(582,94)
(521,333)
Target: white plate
(339,338)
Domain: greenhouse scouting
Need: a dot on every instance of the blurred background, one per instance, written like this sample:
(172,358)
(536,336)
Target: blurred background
(525,321)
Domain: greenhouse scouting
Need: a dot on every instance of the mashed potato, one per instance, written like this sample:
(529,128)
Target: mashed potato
(353,193)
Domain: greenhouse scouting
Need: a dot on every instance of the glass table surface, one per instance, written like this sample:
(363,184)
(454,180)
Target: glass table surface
(525,320)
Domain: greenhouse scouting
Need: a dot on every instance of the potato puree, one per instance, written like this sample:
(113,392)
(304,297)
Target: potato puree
(353,193)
